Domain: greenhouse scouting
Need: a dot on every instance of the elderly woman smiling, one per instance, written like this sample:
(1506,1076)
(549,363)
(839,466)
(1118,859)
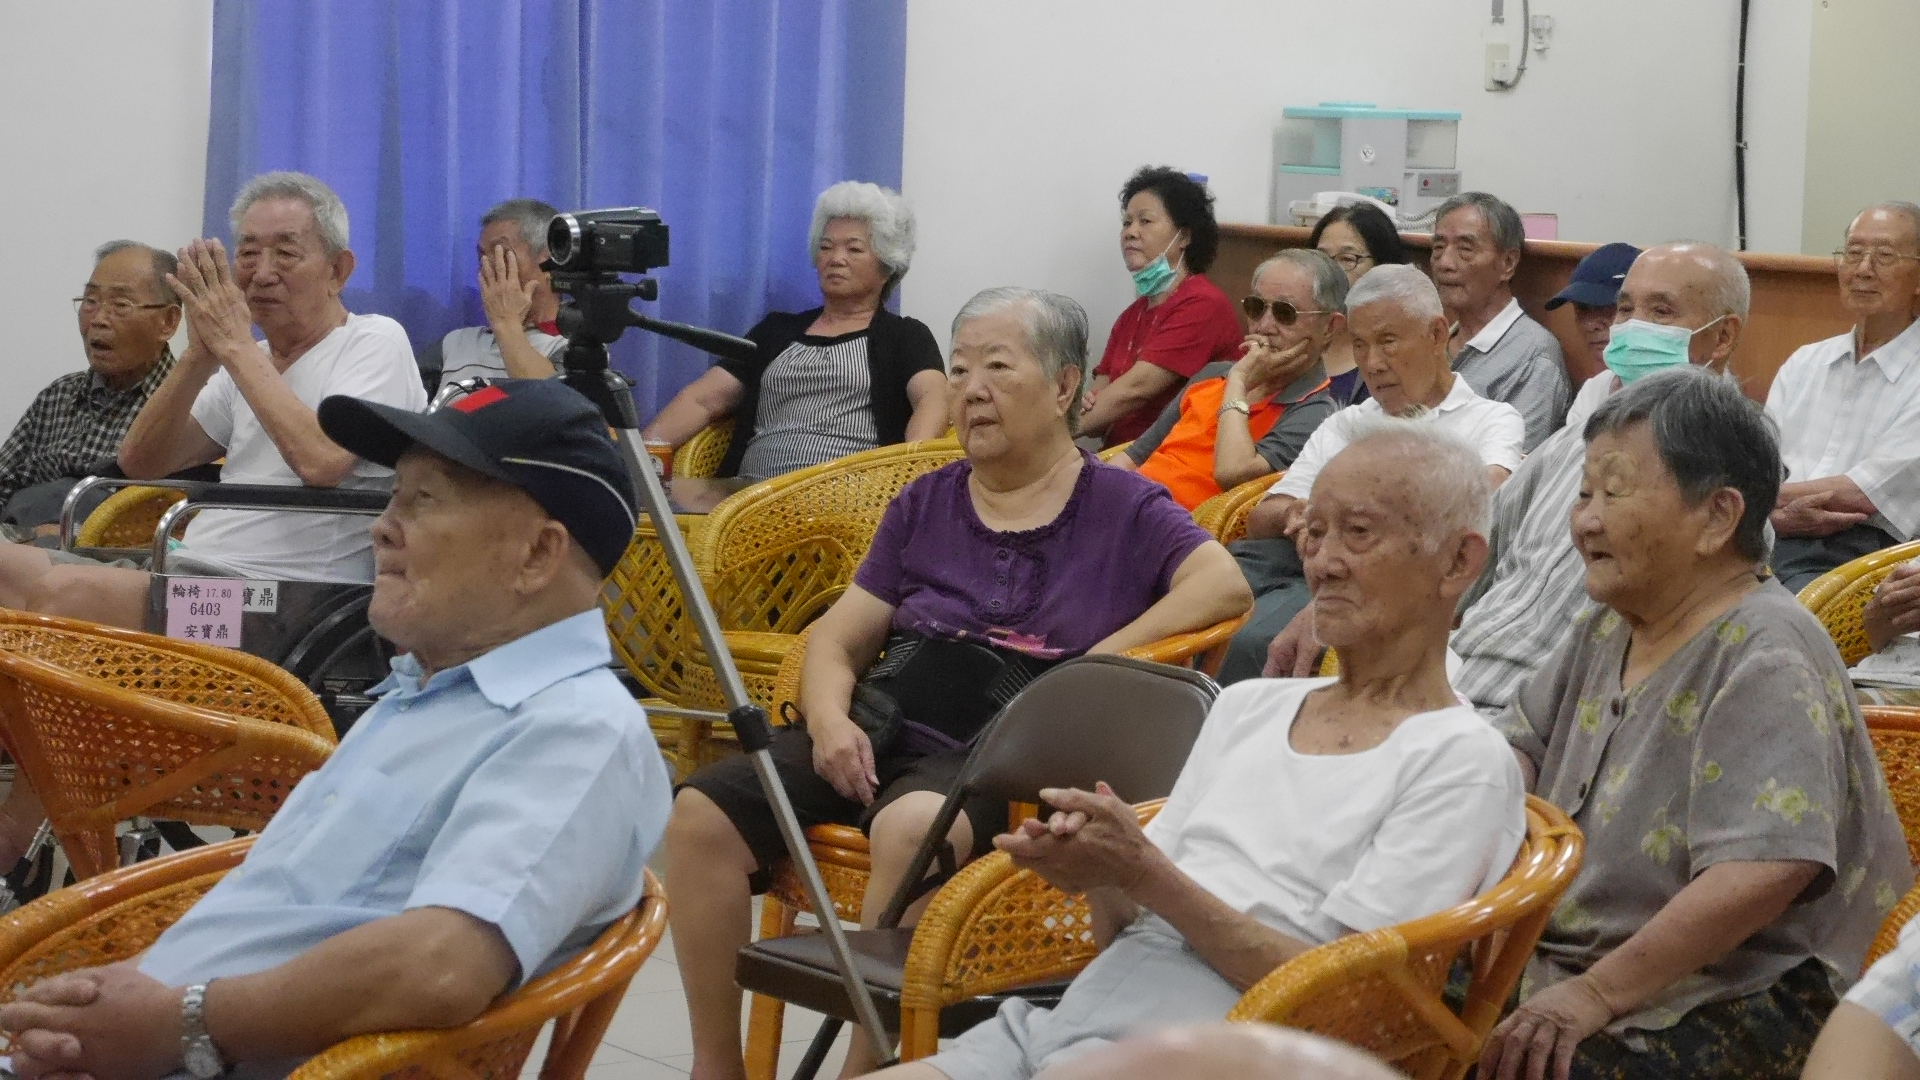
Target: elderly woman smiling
(844,377)
(1741,847)
(981,575)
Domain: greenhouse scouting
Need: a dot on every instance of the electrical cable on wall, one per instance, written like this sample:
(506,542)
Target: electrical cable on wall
(1740,133)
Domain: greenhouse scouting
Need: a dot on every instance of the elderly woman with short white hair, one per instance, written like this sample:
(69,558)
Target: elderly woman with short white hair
(843,377)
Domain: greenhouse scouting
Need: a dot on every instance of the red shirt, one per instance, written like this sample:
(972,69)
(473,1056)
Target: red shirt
(1190,329)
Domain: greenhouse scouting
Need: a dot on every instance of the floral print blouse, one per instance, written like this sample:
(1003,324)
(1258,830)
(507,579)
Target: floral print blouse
(1746,745)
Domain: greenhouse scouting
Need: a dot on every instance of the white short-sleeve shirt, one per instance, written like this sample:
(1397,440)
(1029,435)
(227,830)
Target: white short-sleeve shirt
(366,357)
(1494,428)
(1317,845)
(1857,417)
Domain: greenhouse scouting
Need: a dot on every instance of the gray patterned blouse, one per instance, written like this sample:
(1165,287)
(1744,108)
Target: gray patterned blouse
(1746,745)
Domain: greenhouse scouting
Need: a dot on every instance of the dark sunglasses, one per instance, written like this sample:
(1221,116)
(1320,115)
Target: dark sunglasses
(1284,313)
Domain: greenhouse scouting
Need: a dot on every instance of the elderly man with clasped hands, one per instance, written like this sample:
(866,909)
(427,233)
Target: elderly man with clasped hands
(489,817)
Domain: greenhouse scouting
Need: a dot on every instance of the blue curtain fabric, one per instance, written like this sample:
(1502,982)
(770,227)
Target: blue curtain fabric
(726,116)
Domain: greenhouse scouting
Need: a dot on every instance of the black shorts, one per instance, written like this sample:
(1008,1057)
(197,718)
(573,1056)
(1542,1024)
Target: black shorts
(734,788)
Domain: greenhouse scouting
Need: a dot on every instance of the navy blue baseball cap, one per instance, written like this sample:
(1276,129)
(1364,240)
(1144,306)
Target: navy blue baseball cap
(1596,281)
(540,435)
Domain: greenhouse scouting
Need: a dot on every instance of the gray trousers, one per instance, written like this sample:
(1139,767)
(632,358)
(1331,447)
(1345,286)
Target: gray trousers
(1797,560)
(1146,980)
(1279,584)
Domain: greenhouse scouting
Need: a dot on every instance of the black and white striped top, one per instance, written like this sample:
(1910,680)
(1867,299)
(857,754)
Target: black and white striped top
(816,404)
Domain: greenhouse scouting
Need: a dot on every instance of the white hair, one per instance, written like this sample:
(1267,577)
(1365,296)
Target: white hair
(1397,283)
(329,213)
(530,217)
(1448,480)
(1056,331)
(889,221)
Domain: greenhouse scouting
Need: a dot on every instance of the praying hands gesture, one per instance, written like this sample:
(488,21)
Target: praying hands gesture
(219,323)
(107,1023)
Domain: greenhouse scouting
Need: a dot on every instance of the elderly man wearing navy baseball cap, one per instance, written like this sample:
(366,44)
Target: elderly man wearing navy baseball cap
(1592,292)
(486,819)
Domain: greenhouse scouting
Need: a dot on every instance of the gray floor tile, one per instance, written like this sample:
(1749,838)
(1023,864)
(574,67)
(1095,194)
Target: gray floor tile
(636,1069)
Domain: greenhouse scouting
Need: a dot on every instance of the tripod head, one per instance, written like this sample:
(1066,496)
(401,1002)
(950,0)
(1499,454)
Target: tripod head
(587,252)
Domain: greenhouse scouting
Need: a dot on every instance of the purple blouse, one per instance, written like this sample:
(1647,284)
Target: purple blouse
(1054,591)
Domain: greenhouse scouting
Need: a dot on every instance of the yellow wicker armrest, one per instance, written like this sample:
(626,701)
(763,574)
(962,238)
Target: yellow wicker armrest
(1225,515)
(1112,452)
(107,918)
(127,518)
(702,454)
(1180,648)
(1838,598)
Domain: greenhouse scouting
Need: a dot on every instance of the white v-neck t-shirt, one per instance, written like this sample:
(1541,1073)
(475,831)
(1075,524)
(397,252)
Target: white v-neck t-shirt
(366,357)
(1317,845)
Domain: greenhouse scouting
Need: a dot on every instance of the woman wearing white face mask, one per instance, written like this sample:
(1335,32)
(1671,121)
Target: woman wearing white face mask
(1180,321)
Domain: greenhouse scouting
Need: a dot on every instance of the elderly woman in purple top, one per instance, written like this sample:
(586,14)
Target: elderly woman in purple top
(981,575)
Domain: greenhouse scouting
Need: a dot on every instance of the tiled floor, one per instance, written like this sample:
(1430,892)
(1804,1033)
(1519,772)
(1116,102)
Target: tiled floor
(649,1038)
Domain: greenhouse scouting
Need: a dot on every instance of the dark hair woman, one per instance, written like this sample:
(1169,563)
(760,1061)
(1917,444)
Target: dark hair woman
(1180,322)
(1359,238)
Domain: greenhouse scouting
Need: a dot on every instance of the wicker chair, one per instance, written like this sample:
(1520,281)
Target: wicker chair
(843,854)
(1381,990)
(1112,452)
(127,518)
(1895,732)
(118,915)
(702,454)
(1837,597)
(1225,515)
(111,724)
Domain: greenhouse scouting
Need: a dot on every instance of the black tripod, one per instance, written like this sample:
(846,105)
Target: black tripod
(596,315)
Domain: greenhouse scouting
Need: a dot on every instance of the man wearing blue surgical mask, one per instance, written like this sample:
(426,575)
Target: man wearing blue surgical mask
(1514,617)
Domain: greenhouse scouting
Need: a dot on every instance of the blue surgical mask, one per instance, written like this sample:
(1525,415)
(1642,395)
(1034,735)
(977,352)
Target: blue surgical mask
(1156,277)
(1636,347)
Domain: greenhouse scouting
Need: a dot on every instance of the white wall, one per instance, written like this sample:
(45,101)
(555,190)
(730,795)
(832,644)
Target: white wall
(1863,135)
(105,137)
(1023,117)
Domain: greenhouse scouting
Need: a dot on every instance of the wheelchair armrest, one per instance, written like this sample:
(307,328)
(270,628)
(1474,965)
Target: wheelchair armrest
(307,500)
(106,474)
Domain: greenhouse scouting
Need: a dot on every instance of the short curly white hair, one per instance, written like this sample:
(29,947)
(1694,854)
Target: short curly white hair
(889,221)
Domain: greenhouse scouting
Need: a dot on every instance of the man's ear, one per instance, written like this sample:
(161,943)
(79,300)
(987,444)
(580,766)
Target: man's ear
(1469,559)
(547,556)
(343,264)
(1510,263)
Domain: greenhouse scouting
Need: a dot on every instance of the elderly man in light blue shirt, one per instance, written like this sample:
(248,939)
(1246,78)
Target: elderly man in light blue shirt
(489,817)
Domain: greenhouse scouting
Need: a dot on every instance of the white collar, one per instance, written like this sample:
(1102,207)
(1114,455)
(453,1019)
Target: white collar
(1490,334)
(1460,395)
(1894,357)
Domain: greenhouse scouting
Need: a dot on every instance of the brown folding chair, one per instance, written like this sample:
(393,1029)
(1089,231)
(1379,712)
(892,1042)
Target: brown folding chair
(1127,722)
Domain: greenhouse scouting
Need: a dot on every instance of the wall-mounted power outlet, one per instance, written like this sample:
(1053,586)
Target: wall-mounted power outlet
(1499,65)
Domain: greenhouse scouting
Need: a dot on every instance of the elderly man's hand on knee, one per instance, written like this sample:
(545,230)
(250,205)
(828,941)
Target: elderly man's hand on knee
(110,1023)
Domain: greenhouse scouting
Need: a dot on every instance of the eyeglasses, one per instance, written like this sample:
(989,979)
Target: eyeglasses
(1350,259)
(1284,313)
(1883,258)
(119,307)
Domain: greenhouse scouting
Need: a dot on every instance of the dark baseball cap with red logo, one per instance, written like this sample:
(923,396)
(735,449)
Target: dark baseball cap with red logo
(540,435)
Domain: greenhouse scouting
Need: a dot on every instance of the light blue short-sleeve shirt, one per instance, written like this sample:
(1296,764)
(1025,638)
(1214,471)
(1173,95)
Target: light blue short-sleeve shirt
(523,788)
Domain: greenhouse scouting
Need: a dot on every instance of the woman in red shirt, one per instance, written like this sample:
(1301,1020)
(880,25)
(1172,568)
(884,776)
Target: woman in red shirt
(1180,322)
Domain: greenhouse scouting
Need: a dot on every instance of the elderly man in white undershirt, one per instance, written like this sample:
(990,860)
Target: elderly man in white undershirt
(1400,347)
(1849,409)
(1309,809)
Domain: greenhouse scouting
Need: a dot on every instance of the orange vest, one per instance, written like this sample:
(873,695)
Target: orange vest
(1184,459)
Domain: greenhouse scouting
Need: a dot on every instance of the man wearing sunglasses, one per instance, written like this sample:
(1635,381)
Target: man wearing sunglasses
(126,314)
(1238,420)
(1849,409)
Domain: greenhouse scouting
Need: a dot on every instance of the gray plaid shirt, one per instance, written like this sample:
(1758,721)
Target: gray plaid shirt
(75,423)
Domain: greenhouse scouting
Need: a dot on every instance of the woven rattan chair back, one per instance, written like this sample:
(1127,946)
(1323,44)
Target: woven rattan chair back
(110,726)
(775,550)
(1895,732)
(1381,990)
(702,454)
(127,518)
(1889,935)
(646,623)
(1225,515)
(118,915)
(1837,597)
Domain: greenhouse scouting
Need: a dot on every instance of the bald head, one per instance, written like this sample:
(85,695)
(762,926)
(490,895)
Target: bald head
(1243,1051)
(1691,284)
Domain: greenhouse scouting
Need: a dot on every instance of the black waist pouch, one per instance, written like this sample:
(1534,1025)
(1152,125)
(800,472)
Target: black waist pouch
(930,694)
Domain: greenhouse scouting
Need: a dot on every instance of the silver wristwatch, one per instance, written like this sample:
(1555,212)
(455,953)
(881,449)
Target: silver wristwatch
(202,1057)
